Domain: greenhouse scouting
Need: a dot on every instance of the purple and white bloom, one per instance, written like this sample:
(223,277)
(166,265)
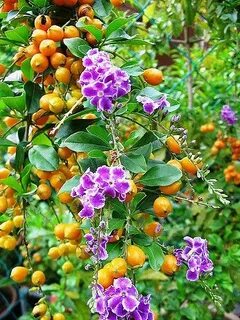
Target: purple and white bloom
(102,82)
(96,242)
(122,300)
(196,256)
(150,105)
(228,115)
(94,188)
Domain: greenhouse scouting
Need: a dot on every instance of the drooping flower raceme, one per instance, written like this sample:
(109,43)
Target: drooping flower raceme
(96,242)
(150,105)
(102,82)
(94,188)
(196,256)
(121,301)
(228,115)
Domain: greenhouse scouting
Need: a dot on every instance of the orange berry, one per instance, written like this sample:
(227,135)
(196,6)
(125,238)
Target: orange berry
(44,191)
(2,69)
(39,63)
(4,173)
(105,278)
(135,256)
(48,47)
(65,197)
(64,153)
(133,191)
(175,163)
(115,235)
(57,180)
(54,253)
(6,227)
(38,36)
(58,60)
(172,188)
(153,229)
(67,267)
(40,117)
(72,231)
(39,310)
(188,166)
(91,2)
(86,10)
(42,22)
(55,33)
(58,316)
(82,253)
(91,39)
(76,68)
(173,145)
(19,274)
(43,174)
(56,104)
(118,267)
(71,32)
(59,230)
(169,265)
(18,221)
(10,122)
(162,207)
(38,278)
(153,76)
(31,50)
(70,3)
(63,75)
(117,3)
(44,103)
(3,204)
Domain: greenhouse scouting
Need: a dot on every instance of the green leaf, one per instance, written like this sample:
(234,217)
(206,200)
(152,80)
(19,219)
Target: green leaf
(42,139)
(115,224)
(16,102)
(6,143)
(142,239)
(134,163)
(115,25)
(33,95)
(155,256)
(69,184)
(99,132)
(77,46)
(20,154)
(97,33)
(41,3)
(132,68)
(151,93)
(25,175)
(5,90)
(27,69)
(161,175)
(92,163)
(12,183)
(102,8)
(84,142)
(152,275)
(136,201)
(44,157)
(19,34)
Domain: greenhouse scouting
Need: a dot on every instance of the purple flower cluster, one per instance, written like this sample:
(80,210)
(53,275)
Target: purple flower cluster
(102,82)
(228,115)
(196,256)
(122,301)
(97,244)
(94,188)
(150,105)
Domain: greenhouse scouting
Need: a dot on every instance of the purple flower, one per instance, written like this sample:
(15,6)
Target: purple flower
(121,300)
(150,105)
(228,115)
(102,82)
(94,188)
(195,254)
(97,243)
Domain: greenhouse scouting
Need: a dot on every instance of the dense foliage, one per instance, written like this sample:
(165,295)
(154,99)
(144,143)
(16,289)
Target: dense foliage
(119,134)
